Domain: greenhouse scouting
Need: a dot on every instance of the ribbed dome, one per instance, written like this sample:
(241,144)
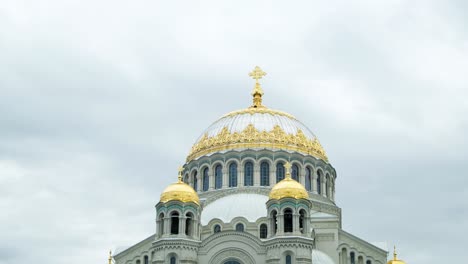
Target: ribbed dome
(180,191)
(288,188)
(254,128)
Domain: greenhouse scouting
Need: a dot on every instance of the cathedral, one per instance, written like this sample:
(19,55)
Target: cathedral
(256,187)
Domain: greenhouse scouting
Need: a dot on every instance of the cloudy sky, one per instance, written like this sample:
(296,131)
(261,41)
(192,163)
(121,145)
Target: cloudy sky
(100,102)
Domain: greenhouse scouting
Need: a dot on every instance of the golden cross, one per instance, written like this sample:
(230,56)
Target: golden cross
(257,74)
(181,169)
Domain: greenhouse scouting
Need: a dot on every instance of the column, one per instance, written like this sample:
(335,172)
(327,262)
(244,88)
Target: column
(302,174)
(296,230)
(272,176)
(225,177)
(240,176)
(182,226)
(167,228)
(199,182)
(280,218)
(314,183)
(256,174)
(195,229)
(324,192)
(158,222)
(211,176)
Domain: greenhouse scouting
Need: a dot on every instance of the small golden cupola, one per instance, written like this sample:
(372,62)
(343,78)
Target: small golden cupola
(288,187)
(180,191)
(395,260)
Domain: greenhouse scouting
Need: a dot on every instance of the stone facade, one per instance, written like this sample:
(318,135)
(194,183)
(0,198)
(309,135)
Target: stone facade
(292,229)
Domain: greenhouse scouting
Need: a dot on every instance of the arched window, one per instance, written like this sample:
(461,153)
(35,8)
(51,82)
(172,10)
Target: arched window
(138,262)
(368,262)
(188,224)
(175,223)
(288,221)
(161,224)
(231,262)
(195,180)
(301,220)
(279,172)
(274,220)
(308,179)
(146,260)
(319,182)
(173,260)
(248,174)
(327,185)
(240,227)
(264,174)
(206,180)
(217,229)
(233,175)
(352,258)
(218,177)
(295,172)
(263,231)
(288,259)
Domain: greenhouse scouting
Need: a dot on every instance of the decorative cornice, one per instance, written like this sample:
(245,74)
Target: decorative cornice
(253,110)
(251,138)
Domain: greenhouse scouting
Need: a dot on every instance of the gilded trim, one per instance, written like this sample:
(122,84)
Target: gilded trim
(251,137)
(258,110)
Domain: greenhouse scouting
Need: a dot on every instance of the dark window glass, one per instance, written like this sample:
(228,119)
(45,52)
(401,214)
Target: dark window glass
(301,220)
(295,172)
(319,184)
(368,262)
(279,172)
(240,227)
(327,185)
(308,179)
(275,222)
(174,223)
(352,257)
(173,260)
(263,231)
(288,259)
(217,228)
(231,262)
(248,174)
(188,224)
(264,174)
(218,177)
(288,221)
(233,175)
(206,180)
(195,180)
(145,260)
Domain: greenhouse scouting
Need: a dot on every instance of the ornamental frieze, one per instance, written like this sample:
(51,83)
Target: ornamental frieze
(251,137)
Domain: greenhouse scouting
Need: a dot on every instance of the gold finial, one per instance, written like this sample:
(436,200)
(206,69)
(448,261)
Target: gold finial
(181,169)
(288,169)
(257,92)
(110,256)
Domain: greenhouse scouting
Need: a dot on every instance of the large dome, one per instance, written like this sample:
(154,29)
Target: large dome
(254,128)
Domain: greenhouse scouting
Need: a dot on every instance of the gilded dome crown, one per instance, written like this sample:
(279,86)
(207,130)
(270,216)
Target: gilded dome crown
(180,191)
(395,260)
(257,127)
(288,188)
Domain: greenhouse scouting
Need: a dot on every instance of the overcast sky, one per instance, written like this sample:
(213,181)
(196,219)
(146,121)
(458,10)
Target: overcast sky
(101,101)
